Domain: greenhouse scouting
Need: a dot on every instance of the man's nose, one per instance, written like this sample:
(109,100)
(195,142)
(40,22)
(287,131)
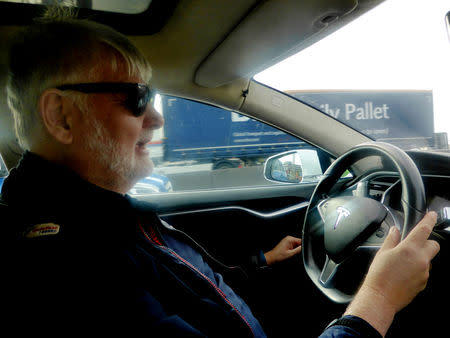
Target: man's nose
(153,119)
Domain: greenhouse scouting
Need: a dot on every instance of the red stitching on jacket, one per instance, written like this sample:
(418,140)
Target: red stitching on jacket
(170,251)
(154,236)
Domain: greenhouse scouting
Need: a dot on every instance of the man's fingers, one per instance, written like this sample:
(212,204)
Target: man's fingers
(432,248)
(296,241)
(422,230)
(392,239)
(293,241)
(297,249)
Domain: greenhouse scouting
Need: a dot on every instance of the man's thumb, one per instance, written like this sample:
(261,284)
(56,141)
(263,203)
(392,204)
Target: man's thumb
(392,239)
(296,250)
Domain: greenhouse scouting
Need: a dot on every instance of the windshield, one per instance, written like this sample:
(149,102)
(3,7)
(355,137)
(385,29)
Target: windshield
(387,74)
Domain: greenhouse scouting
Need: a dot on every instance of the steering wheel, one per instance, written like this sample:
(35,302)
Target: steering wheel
(342,232)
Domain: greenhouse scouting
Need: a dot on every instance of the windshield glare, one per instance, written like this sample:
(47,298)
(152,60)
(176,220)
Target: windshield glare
(386,74)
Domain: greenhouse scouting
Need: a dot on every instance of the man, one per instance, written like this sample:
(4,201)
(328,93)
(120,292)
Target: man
(86,257)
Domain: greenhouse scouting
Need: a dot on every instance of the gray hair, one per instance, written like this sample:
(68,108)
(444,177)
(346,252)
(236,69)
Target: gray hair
(60,49)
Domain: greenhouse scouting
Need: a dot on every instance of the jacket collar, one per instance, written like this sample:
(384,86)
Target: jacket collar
(36,177)
(42,191)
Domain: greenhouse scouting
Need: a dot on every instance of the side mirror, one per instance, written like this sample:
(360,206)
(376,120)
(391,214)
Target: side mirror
(293,166)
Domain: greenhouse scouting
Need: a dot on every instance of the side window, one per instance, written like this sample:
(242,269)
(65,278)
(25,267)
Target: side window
(206,147)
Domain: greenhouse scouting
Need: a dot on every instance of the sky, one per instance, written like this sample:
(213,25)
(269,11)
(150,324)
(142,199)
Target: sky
(401,44)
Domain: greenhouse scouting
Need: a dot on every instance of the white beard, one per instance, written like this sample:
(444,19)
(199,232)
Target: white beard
(120,167)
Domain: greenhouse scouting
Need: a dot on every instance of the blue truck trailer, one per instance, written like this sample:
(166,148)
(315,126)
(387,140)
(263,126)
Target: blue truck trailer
(203,133)
(232,139)
(401,117)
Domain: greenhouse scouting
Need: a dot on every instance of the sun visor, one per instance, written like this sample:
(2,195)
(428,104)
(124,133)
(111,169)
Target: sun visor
(265,37)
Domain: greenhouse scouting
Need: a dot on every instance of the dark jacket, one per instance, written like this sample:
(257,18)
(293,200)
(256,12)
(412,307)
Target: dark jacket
(81,259)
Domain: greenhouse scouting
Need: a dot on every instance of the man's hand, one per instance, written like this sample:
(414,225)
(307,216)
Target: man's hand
(398,273)
(288,247)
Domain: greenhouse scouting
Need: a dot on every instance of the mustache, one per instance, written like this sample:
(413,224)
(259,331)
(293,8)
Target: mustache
(145,138)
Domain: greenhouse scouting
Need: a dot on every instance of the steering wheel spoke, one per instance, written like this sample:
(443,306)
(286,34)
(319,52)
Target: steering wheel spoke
(328,271)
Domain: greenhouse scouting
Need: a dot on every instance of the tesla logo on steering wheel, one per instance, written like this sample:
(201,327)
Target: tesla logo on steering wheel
(342,213)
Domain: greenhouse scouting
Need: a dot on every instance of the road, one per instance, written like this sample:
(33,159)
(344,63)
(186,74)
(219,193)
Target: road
(202,177)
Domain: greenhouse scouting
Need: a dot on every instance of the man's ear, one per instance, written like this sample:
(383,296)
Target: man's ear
(56,114)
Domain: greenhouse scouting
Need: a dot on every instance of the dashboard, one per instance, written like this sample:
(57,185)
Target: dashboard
(385,186)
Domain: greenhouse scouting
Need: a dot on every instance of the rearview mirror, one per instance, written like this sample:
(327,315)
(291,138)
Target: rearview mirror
(293,166)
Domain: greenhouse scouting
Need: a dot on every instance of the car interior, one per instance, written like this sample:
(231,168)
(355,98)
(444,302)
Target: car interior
(209,51)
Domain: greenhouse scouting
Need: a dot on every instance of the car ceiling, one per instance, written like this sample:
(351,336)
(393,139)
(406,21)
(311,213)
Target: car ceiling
(202,49)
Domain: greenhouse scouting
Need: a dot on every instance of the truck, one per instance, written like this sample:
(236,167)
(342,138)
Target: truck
(401,117)
(202,133)
(207,134)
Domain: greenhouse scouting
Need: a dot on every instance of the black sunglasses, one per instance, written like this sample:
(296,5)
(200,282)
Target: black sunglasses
(138,94)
